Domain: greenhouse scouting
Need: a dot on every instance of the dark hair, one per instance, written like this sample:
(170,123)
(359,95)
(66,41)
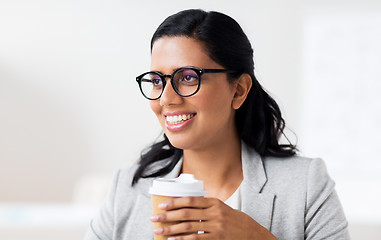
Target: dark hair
(259,121)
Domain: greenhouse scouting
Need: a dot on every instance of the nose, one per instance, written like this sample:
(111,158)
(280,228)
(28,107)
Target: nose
(169,95)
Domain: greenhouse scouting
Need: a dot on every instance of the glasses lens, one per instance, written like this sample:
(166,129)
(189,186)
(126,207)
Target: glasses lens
(151,85)
(186,81)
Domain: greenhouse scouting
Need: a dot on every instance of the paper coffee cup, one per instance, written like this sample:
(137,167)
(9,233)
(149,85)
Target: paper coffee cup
(164,189)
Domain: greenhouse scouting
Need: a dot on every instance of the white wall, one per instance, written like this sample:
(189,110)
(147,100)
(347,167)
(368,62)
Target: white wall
(341,108)
(69,104)
(69,101)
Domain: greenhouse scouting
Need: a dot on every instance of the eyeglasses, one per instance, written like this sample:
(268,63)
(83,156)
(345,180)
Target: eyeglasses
(186,81)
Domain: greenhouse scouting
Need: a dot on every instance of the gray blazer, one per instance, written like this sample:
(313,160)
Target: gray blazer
(292,197)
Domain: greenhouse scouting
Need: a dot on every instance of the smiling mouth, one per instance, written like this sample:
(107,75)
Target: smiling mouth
(179,118)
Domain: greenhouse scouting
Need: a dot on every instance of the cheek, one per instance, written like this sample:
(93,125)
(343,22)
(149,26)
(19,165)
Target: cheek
(216,106)
(219,99)
(155,106)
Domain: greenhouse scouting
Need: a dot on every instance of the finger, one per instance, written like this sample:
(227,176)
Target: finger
(183,214)
(194,236)
(190,227)
(188,202)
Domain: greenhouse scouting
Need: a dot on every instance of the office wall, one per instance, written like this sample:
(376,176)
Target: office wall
(70,106)
(69,101)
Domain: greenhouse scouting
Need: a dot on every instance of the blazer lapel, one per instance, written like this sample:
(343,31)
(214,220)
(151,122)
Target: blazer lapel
(255,203)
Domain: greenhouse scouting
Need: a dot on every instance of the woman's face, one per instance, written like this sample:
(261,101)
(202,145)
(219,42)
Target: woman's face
(204,119)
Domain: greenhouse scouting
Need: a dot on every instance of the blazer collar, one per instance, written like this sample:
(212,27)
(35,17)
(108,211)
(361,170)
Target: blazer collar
(253,169)
(254,200)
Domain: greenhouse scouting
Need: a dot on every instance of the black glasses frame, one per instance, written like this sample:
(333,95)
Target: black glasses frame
(199,72)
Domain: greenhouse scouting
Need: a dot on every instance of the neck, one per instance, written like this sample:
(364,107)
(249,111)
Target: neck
(219,166)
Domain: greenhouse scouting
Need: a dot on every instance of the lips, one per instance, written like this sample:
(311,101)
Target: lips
(175,121)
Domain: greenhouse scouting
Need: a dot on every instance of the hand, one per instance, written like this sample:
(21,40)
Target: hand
(218,221)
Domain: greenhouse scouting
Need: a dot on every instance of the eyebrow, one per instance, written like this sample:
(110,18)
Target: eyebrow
(174,69)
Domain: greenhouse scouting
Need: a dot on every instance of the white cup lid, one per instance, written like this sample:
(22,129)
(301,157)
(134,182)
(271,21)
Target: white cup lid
(183,186)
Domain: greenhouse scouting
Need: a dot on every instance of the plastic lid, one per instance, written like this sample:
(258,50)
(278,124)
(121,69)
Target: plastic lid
(183,186)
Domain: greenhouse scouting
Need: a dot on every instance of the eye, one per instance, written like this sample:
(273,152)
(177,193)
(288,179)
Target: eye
(151,80)
(187,77)
(157,81)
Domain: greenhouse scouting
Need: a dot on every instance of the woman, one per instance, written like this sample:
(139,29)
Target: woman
(220,125)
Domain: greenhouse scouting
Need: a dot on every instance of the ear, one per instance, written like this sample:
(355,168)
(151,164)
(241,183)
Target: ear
(242,88)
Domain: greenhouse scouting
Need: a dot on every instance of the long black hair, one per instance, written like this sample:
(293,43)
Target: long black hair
(258,121)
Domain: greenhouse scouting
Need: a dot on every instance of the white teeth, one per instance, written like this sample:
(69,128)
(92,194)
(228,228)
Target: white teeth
(179,118)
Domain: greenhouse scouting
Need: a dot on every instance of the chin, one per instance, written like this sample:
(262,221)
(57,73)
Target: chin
(179,142)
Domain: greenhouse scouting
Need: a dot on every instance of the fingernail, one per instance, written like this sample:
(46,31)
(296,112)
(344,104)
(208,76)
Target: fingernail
(155,218)
(163,205)
(158,230)
(172,238)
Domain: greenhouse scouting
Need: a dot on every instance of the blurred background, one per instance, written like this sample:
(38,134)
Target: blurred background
(71,113)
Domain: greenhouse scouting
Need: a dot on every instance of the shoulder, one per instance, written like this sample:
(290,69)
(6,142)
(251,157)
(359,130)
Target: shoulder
(129,200)
(294,166)
(276,174)
(126,209)
(298,173)
(304,190)
(123,181)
